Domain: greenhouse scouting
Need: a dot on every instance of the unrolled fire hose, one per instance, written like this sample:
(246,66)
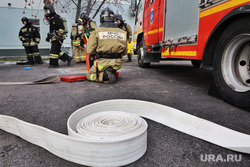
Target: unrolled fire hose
(48,80)
(110,133)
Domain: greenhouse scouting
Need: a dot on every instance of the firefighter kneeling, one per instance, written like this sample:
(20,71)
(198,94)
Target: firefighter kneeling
(107,43)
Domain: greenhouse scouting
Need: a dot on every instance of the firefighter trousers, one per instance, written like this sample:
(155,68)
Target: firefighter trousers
(103,64)
(30,51)
(56,53)
(79,53)
(129,56)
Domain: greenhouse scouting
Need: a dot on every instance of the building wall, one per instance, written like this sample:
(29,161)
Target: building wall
(10,17)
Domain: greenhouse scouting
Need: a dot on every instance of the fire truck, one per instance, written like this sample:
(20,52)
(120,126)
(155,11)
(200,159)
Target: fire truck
(209,32)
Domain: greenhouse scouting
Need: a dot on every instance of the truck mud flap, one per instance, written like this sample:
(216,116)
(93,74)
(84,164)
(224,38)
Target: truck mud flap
(153,56)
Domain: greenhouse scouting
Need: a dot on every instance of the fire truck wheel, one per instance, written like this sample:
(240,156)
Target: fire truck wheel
(232,64)
(196,63)
(141,55)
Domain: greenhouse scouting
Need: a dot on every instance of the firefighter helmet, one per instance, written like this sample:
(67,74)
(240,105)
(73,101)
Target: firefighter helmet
(49,10)
(107,15)
(119,17)
(25,19)
(119,20)
(83,18)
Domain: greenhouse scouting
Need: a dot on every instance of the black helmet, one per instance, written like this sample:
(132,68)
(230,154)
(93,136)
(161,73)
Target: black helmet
(119,17)
(107,15)
(83,18)
(25,19)
(51,10)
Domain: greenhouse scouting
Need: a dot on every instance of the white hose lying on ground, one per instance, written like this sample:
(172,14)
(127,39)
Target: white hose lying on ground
(48,80)
(109,133)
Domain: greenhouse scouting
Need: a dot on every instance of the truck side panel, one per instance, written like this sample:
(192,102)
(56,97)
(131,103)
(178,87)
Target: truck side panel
(151,24)
(210,17)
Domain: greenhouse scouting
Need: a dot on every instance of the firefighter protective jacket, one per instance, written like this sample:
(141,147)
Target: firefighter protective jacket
(56,27)
(79,35)
(31,35)
(106,40)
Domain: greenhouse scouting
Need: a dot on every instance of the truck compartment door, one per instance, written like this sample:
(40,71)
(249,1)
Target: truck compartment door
(181,21)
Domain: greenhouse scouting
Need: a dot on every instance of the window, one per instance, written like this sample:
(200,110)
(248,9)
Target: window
(150,2)
(139,10)
(140,7)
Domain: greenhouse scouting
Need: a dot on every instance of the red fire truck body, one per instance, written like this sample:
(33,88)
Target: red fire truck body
(211,32)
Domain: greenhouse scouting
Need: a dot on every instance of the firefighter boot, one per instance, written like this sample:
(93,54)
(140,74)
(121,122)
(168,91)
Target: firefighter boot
(53,63)
(38,59)
(69,60)
(30,60)
(129,57)
(109,75)
(129,60)
(65,57)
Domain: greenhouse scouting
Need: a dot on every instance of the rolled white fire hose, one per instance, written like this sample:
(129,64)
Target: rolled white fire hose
(110,133)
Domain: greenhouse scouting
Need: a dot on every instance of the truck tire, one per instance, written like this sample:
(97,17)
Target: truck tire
(232,64)
(141,55)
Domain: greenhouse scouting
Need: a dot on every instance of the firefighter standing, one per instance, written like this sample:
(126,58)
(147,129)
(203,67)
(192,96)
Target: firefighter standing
(89,26)
(77,34)
(108,43)
(30,38)
(56,37)
(124,26)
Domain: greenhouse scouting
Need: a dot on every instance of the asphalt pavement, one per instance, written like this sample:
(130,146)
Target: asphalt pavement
(175,84)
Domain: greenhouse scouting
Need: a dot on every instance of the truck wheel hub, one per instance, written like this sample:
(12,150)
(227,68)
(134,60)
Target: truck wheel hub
(236,63)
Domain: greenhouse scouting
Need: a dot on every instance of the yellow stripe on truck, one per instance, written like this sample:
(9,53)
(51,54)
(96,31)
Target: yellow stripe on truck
(138,31)
(153,31)
(221,7)
(181,53)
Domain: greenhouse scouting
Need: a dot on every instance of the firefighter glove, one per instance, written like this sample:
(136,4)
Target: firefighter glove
(47,39)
